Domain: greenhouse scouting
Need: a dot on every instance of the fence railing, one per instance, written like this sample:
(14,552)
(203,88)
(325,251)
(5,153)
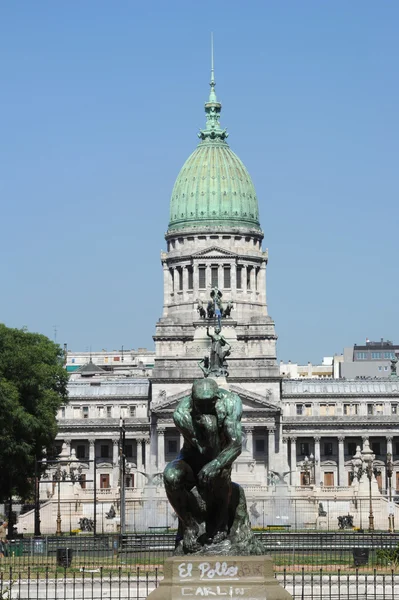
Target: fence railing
(145,512)
(136,585)
(290,551)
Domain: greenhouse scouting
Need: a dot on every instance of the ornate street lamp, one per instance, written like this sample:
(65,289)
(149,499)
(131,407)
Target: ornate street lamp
(391,517)
(368,460)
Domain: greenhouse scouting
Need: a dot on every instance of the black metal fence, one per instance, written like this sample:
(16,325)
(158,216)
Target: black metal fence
(147,512)
(290,551)
(50,584)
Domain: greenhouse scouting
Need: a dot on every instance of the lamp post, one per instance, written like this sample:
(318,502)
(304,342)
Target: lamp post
(122,474)
(57,478)
(368,459)
(357,464)
(391,517)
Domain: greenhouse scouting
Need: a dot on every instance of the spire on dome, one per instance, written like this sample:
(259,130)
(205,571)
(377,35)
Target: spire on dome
(213,131)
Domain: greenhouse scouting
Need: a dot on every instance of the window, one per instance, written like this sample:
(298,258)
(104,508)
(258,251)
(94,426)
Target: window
(62,412)
(379,409)
(239,277)
(376,355)
(190,278)
(389,354)
(370,409)
(109,411)
(82,480)
(124,411)
(257,278)
(180,275)
(394,409)
(397,449)
(259,445)
(172,277)
(249,270)
(380,368)
(308,410)
(352,448)
(104,451)
(376,447)
(201,277)
(129,480)
(129,450)
(327,410)
(227,278)
(385,368)
(328,449)
(299,409)
(132,411)
(361,355)
(351,409)
(304,447)
(80,451)
(172,447)
(104,481)
(100,411)
(214,276)
(85,411)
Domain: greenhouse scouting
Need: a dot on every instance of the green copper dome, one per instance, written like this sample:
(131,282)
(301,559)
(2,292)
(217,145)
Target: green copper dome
(213,189)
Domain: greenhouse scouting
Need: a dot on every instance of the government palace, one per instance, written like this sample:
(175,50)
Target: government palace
(303,431)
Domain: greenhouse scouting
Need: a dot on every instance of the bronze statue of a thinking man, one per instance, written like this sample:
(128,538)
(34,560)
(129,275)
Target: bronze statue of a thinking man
(212,510)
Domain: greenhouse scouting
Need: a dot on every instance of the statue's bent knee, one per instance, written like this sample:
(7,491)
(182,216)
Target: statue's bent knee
(173,476)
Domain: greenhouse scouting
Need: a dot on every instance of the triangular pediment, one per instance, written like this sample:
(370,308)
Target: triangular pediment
(250,400)
(214,252)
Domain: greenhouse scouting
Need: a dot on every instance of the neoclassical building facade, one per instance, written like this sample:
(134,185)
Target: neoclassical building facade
(308,429)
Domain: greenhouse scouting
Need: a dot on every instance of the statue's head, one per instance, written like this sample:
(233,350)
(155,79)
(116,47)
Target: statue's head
(217,330)
(205,392)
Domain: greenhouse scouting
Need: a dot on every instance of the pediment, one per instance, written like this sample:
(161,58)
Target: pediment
(214,252)
(250,400)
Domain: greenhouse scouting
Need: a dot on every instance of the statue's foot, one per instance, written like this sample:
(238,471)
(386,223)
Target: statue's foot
(209,539)
(190,540)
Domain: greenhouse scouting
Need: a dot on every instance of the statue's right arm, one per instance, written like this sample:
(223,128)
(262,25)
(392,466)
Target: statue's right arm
(183,421)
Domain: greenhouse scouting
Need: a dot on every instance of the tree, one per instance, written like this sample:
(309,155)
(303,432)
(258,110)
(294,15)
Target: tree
(33,386)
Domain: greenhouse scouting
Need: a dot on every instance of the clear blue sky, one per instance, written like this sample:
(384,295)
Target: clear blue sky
(100,105)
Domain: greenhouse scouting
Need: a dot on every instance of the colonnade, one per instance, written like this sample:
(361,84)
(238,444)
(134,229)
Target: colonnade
(245,278)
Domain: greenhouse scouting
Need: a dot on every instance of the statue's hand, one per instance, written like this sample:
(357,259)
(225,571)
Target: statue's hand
(209,472)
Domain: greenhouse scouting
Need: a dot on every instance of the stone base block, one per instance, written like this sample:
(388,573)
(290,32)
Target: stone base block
(236,578)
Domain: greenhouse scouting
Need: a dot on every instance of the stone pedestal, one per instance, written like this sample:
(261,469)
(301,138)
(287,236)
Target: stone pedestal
(236,577)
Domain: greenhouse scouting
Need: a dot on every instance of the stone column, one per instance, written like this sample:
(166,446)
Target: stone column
(252,278)
(389,444)
(161,449)
(250,440)
(92,458)
(195,282)
(317,469)
(341,461)
(147,455)
(115,463)
(233,277)
(262,283)
(294,476)
(244,278)
(220,277)
(185,280)
(208,276)
(285,464)
(271,449)
(166,287)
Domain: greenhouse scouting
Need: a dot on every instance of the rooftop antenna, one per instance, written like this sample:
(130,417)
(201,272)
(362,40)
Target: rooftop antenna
(55,333)
(212,65)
